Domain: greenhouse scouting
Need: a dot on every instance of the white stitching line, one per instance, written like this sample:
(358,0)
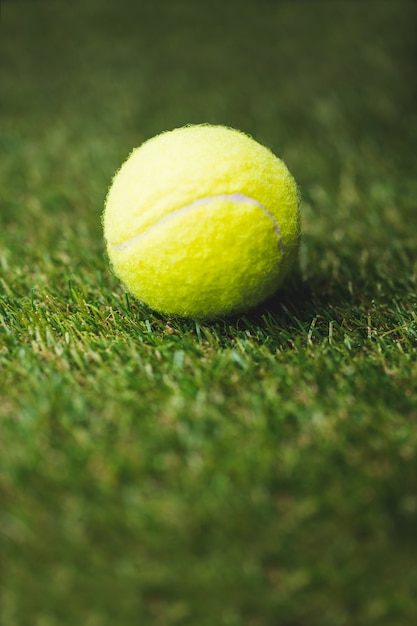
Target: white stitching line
(239,198)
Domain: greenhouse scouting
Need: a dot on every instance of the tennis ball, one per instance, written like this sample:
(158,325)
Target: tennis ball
(202,221)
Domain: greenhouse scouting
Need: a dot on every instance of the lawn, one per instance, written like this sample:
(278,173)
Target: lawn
(259,470)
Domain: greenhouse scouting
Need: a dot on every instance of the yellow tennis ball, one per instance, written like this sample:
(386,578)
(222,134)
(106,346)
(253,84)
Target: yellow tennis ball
(202,221)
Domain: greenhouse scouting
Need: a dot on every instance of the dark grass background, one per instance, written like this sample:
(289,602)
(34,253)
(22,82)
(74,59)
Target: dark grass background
(256,471)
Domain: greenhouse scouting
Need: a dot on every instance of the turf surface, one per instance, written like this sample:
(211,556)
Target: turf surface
(256,471)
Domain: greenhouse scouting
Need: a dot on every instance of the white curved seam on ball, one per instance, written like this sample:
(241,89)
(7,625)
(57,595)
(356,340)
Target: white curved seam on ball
(238,198)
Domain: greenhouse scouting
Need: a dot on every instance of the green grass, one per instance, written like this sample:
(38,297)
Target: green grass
(254,471)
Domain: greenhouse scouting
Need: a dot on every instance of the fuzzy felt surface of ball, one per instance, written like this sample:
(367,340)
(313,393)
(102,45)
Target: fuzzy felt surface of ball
(202,222)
